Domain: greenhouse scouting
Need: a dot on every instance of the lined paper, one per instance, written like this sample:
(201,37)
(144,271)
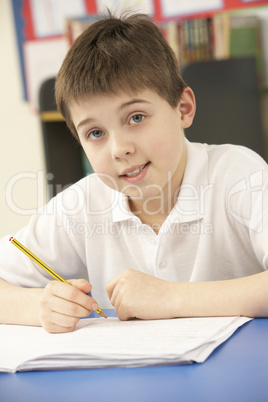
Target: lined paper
(99,342)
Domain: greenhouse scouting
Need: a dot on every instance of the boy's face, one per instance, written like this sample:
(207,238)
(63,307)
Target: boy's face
(135,143)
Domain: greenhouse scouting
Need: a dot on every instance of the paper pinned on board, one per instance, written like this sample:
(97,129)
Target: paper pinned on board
(173,8)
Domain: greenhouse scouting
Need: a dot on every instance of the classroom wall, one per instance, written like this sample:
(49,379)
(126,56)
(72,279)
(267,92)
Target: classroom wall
(22,168)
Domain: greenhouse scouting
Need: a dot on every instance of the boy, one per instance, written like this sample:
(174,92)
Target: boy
(165,228)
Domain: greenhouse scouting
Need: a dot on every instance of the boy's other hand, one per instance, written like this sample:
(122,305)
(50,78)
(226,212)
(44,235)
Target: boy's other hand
(62,305)
(135,294)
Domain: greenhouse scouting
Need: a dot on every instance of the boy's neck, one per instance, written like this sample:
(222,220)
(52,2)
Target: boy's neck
(155,211)
(153,219)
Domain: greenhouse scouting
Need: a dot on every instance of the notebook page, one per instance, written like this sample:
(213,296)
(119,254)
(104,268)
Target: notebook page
(100,342)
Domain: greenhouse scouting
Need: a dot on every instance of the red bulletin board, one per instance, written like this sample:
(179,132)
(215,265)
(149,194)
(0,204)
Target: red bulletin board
(91,8)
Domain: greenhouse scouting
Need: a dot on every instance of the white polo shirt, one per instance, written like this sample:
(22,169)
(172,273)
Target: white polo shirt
(217,230)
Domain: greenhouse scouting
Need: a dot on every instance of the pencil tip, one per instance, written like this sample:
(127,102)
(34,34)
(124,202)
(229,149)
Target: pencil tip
(100,312)
(103,314)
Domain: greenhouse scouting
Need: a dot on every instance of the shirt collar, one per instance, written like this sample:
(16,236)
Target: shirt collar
(121,211)
(190,202)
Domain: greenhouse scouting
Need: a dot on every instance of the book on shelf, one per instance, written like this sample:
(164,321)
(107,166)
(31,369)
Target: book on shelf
(245,40)
(222,36)
(189,39)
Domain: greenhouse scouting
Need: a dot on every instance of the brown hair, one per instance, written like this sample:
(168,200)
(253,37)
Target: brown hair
(114,54)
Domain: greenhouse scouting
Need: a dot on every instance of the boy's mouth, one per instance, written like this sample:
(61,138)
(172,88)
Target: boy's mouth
(134,172)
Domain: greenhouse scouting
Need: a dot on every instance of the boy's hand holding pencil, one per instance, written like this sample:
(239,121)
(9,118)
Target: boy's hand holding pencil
(62,303)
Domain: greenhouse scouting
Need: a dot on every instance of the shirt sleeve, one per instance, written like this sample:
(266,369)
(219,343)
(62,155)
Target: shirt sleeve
(49,236)
(247,203)
(258,228)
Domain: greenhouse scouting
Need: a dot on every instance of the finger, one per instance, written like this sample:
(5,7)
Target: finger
(71,293)
(114,293)
(122,311)
(119,288)
(109,287)
(67,292)
(62,320)
(58,323)
(56,329)
(121,303)
(66,307)
(81,284)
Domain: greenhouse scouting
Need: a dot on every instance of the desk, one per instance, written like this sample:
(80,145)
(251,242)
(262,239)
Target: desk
(236,371)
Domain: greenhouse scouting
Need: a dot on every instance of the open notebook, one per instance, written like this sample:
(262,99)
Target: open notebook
(100,342)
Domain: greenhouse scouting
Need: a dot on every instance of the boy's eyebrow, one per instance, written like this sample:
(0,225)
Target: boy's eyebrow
(132,102)
(84,122)
(121,107)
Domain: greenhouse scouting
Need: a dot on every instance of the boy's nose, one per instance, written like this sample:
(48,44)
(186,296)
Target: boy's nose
(121,147)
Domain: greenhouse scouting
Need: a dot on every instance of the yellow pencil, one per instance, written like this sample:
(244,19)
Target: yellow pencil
(45,267)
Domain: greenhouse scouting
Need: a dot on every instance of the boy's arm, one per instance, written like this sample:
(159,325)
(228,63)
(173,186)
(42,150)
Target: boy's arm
(19,305)
(135,294)
(58,307)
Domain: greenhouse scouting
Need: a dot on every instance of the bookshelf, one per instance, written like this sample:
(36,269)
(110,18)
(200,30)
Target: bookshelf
(51,115)
(217,37)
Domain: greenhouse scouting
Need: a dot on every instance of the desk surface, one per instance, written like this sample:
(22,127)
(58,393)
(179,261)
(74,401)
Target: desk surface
(236,371)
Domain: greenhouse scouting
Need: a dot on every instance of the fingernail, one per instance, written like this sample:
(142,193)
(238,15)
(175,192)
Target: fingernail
(94,307)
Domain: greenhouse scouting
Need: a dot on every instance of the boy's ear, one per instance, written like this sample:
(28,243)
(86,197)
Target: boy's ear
(187,107)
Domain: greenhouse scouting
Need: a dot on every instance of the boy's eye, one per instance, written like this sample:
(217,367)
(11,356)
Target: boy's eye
(137,118)
(95,134)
